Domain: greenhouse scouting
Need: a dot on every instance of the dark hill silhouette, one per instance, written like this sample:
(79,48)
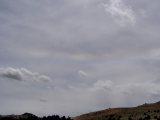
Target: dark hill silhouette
(29,116)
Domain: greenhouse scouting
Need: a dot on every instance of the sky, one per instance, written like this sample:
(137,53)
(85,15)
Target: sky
(70,57)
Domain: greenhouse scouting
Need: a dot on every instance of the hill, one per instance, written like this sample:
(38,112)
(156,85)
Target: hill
(142,112)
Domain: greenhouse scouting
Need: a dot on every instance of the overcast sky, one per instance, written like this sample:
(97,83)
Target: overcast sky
(70,57)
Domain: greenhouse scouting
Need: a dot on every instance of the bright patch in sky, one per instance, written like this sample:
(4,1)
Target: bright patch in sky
(121,13)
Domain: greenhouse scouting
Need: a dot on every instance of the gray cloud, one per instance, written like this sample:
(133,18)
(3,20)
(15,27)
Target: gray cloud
(104,84)
(22,74)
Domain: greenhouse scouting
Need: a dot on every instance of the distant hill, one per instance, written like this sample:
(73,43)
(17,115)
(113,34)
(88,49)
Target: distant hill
(142,112)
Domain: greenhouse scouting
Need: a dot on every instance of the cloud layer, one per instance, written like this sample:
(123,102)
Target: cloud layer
(98,56)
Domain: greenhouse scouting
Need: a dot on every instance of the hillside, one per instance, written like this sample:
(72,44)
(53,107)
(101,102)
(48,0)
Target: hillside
(142,112)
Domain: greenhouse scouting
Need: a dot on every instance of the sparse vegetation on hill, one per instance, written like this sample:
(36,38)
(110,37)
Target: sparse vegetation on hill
(143,112)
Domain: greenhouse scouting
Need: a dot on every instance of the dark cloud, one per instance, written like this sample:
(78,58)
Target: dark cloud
(43,100)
